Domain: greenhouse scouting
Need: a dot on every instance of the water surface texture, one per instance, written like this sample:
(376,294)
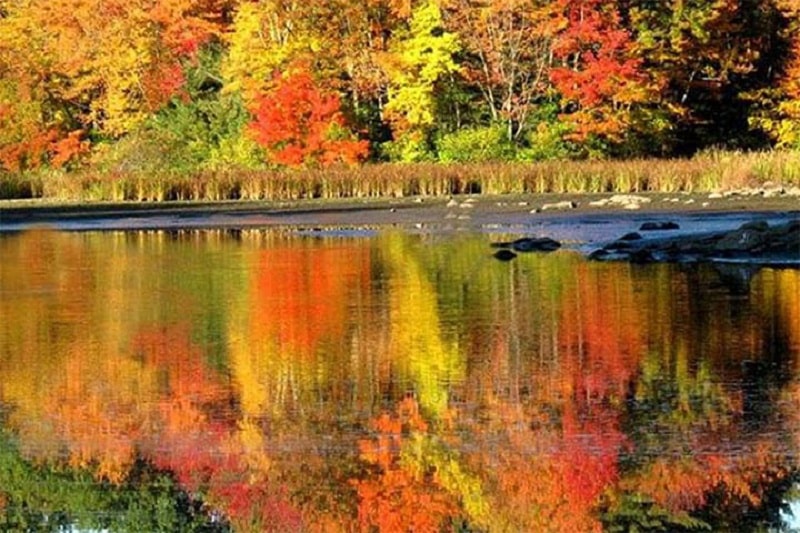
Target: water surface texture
(247,380)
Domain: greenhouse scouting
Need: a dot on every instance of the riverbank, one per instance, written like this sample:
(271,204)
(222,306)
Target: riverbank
(576,219)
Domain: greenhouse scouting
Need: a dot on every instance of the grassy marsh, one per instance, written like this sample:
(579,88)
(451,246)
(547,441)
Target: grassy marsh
(707,172)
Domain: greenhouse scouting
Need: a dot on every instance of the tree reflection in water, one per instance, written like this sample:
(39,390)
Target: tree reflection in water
(191,381)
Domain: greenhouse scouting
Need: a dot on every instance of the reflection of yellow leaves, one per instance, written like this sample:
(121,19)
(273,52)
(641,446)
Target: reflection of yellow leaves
(417,342)
(251,439)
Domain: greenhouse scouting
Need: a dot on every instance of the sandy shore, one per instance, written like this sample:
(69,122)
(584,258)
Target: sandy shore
(584,224)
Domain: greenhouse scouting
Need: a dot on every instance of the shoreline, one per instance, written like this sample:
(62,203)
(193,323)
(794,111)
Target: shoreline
(593,225)
(582,222)
(465,210)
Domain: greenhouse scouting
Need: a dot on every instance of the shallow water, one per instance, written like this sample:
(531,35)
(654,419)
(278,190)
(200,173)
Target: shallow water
(300,381)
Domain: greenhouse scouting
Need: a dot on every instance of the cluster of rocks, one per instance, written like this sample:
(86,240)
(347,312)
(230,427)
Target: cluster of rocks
(625,201)
(525,245)
(769,190)
(754,241)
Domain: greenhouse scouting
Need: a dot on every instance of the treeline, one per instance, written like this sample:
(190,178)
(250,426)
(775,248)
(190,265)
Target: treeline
(138,85)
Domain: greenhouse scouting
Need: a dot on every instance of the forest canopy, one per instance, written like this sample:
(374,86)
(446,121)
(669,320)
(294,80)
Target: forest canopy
(204,84)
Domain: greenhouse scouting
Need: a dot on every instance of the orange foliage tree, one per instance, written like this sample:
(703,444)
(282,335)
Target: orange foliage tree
(100,65)
(301,123)
(600,78)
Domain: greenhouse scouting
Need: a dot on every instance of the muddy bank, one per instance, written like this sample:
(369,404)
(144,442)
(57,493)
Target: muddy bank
(460,212)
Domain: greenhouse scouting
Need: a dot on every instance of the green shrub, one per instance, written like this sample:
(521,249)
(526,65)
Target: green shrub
(407,149)
(546,142)
(476,145)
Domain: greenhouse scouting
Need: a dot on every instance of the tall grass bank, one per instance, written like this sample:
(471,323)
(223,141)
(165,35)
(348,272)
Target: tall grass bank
(708,172)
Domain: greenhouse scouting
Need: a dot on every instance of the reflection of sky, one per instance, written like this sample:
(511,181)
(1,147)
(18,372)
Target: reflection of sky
(792,519)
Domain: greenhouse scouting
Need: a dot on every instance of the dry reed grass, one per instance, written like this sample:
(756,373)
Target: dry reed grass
(709,171)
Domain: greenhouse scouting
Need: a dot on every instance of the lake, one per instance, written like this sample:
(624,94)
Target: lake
(286,380)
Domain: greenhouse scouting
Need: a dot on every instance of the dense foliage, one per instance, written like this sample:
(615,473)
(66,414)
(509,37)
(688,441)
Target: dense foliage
(205,84)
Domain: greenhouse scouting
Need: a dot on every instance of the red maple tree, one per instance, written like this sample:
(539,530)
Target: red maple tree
(301,123)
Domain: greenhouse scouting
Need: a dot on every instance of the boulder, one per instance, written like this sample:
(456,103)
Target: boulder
(658,226)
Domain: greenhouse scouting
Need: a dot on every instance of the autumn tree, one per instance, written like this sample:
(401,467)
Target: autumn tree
(102,65)
(301,123)
(599,78)
(777,106)
(418,61)
(703,57)
(507,55)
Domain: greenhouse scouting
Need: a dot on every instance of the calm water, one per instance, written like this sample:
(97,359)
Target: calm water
(269,380)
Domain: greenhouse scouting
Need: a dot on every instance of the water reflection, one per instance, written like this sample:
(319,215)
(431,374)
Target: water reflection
(275,381)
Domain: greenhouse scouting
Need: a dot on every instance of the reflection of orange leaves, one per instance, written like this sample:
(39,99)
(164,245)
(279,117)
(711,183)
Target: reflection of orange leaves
(549,493)
(602,334)
(303,294)
(188,379)
(105,412)
(685,484)
(408,411)
(395,498)
(384,449)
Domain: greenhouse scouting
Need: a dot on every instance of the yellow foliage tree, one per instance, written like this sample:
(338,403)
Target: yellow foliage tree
(102,64)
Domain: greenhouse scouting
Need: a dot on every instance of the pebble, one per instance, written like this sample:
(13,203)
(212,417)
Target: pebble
(566,204)
(452,203)
(628,199)
(600,203)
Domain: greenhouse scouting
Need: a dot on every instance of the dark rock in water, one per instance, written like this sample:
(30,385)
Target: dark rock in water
(741,240)
(599,254)
(504,255)
(618,245)
(528,244)
(658,226)
(632,236)
(755,242)
(544,244)
(757,225)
